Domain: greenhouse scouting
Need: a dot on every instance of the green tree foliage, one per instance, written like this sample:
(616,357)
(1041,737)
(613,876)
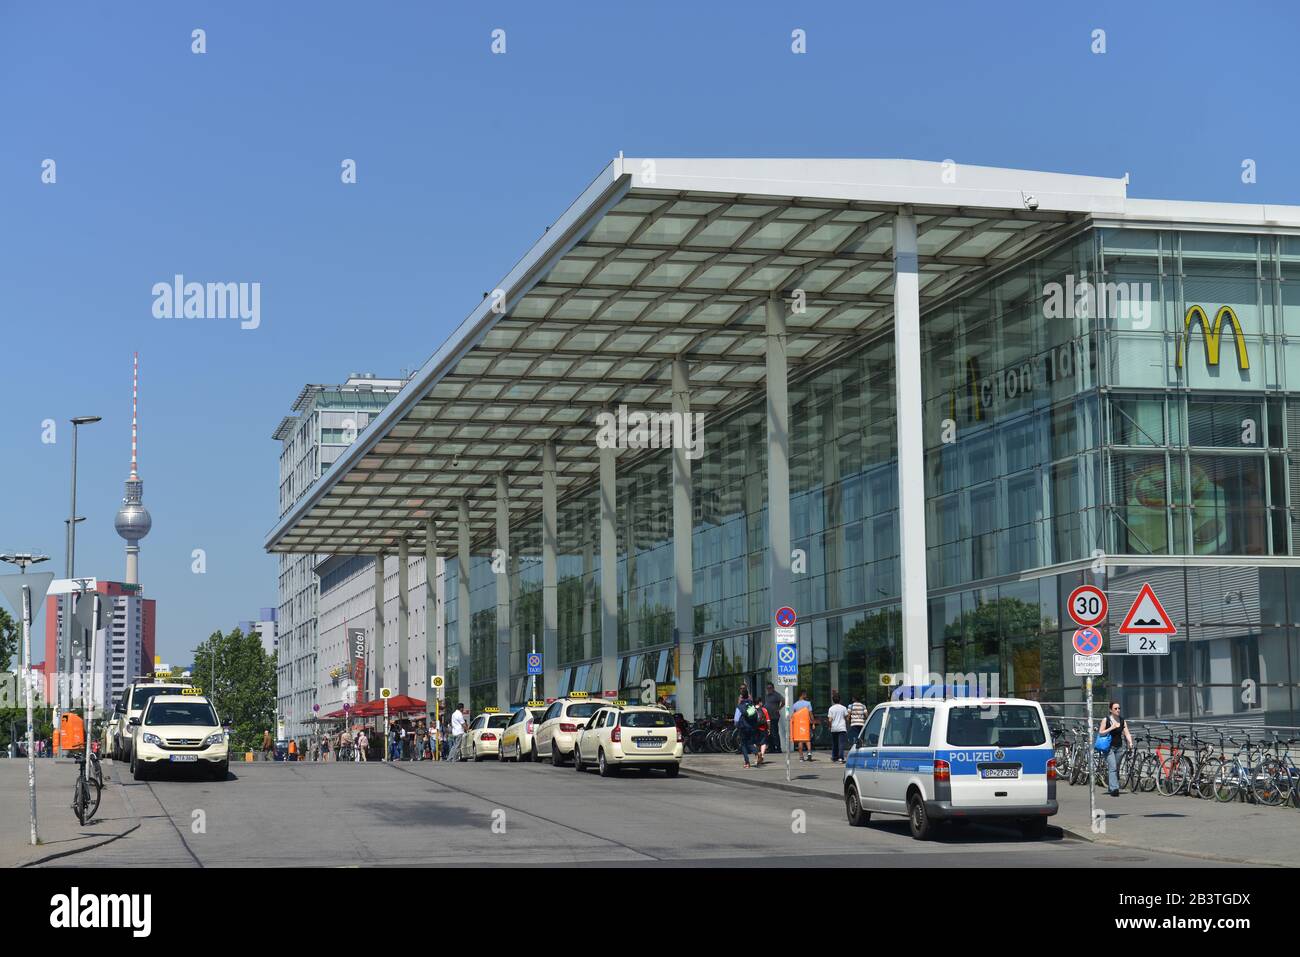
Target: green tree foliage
(10,635)
(238,676)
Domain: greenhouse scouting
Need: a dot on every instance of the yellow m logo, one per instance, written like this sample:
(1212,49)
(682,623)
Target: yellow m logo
(1212,333)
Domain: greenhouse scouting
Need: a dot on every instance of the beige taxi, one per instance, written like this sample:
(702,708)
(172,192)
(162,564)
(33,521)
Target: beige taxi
(483,739)
(619,736)
(518,742)
(560,723)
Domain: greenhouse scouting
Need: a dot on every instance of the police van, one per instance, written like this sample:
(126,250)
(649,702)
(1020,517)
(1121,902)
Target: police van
(934,756)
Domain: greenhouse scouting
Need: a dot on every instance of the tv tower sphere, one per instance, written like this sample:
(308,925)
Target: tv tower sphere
(133,521)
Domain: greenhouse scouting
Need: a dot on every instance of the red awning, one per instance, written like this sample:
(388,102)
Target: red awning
(398,704)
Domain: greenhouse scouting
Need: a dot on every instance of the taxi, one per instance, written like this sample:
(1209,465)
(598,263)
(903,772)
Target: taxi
(518,741)
(619,736)
(935,755)
(560,723)
(483,739)
(132,705)
(179,729)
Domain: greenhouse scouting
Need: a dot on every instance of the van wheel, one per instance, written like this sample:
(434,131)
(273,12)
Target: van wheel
(919,819)
(1033,828)
(857,815)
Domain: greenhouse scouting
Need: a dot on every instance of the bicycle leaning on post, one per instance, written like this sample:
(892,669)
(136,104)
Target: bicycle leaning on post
(87,789)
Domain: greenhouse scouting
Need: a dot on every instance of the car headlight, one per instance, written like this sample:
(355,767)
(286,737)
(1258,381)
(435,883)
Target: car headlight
(148,738)
(217,737)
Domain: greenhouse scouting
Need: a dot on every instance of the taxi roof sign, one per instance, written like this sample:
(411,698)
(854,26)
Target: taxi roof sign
(579,694)
(492,710)
(536,704)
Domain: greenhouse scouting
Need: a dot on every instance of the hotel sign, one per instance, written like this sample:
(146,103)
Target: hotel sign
(1213,332)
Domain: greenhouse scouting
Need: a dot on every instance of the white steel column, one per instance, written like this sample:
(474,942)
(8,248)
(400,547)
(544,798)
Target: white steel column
(550,576)
(403,616)
(432,613)
(608,572)
(463,616)
(778,469)
(501,561)
(911,471)
(683,554)
(379,625)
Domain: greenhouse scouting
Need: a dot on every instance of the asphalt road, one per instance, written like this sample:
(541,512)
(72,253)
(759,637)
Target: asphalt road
(343,815)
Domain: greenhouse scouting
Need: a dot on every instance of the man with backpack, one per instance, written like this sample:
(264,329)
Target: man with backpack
(774,702)
(746,719)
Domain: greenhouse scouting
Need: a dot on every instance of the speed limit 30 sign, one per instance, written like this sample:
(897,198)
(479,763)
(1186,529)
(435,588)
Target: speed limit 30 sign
(1087,605)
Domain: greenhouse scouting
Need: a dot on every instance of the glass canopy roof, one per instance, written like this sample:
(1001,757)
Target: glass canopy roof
(636,274)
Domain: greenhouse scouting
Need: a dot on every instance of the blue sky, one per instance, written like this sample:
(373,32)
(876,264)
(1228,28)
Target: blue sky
(225,167)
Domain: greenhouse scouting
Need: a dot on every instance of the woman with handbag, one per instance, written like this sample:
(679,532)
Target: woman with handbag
(1114,728)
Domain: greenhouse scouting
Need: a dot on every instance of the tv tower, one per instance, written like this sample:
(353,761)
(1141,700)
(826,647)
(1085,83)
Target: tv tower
(133,521)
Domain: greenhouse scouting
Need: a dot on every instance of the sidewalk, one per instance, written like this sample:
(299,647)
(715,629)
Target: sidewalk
(1239,833)
(60,834)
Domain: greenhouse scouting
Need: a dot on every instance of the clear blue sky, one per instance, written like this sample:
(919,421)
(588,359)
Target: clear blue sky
(225,167)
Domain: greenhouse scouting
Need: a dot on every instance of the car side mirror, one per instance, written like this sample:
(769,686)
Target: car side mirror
(132,722)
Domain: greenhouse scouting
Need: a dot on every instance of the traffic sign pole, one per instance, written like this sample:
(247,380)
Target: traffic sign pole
(532,679)
(1092,756)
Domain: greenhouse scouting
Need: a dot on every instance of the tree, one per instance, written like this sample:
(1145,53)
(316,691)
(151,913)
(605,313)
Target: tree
(238,676)
(9,637)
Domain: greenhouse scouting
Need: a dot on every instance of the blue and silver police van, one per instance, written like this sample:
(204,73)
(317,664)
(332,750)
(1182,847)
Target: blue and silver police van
(935,755)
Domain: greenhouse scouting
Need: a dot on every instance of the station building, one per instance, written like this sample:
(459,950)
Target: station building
(931,401)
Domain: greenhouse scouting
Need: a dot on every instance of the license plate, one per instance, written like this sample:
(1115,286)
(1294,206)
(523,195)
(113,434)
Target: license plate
(184,757)
(649,742)
(1002,771)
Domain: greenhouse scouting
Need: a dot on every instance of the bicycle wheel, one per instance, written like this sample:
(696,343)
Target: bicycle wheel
(80,799)
(1227,782)
(1147,773)
(1061,753)
(1270,782)
(94,790)
(1175,775)
(1208,774)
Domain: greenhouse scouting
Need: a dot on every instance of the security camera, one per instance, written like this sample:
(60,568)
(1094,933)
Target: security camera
(1031,201)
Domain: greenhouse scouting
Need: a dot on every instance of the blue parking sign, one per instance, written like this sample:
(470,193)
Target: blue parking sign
(534,664)
(787,660)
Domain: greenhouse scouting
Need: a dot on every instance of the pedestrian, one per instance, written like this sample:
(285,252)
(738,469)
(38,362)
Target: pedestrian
(764,727)
(857,720)
(837,718)
(1114,725)
(457,725)
(363,742)
(268,746)
(345,744)
(293,750)
(801,727)
(775,704)
(746,720)
(325,747)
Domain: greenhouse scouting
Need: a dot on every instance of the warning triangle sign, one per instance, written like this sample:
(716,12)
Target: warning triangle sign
(1147,616)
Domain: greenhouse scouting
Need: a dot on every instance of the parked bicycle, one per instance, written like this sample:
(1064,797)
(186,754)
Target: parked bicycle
(87,789)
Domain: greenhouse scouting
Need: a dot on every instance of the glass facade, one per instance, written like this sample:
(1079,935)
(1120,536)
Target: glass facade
(1115,410)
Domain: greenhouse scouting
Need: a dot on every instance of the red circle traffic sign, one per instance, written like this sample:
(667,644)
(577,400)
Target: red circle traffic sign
(1087,605)
(785,617)
(1087,641)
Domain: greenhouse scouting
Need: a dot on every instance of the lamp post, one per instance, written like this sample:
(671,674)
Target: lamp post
(70,568)
(22,560)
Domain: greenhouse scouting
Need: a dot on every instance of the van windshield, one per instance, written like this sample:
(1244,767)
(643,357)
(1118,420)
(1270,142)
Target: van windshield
(995,726)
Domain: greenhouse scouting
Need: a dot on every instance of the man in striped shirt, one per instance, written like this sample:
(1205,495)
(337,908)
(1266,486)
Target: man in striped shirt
(857,719)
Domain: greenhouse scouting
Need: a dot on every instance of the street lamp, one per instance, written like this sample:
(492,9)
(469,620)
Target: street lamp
(22,560)
(72,544)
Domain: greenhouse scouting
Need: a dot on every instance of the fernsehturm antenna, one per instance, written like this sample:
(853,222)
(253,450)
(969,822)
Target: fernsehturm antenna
(133,521)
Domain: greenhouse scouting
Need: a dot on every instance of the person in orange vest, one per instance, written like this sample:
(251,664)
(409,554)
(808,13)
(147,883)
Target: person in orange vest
(801,727)
(293,750)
